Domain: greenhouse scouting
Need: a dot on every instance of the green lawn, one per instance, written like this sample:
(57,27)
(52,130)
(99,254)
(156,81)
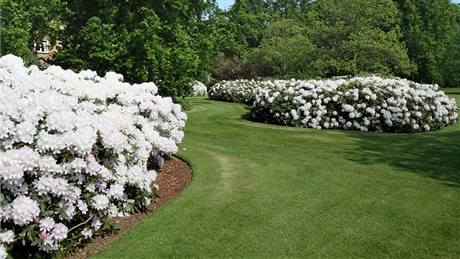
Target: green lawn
(264,191)
(455,91)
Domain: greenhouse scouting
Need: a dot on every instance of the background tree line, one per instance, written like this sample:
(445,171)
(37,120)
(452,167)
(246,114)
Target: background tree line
(173,42)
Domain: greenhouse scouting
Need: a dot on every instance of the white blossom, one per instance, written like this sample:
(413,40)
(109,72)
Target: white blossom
(87,233)
(3,253)
(47,224)
(100,202)
(116,191)
(24,210)
(96,224)
(199,89)
(59,232)
(7,237)
(74,140)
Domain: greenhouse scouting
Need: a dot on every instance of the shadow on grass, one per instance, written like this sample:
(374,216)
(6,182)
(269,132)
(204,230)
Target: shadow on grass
(247,115)
(435,155)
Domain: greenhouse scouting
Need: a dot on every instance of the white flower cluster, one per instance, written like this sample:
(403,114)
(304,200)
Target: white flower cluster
(241,91)
(74,147)
(360,103)
(199,89)
(51,234)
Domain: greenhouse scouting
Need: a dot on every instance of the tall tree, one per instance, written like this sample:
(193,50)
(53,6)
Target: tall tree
(428,28)
(144,40)
(451,60)
(25,23)
(289,9)
(286,51)
(45,18)
(359,36)
(14,29)
(251,18)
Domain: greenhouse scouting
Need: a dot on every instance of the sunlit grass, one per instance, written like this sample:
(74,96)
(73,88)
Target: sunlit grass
(264,191)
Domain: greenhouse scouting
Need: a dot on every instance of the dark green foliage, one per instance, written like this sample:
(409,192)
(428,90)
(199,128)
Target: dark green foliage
(45,19)
(407,38)
(359,36)
(429,30)
(25,22)
(172,42)
(286,51)
(14,29)
(451,64)
(250,18)
(156,41)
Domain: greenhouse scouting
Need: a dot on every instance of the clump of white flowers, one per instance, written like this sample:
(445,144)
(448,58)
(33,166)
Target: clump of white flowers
(73,151)
(199,89)
(361,103)
(241,91)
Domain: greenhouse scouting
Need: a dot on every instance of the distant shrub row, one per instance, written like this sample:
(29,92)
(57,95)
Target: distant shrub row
(359,103)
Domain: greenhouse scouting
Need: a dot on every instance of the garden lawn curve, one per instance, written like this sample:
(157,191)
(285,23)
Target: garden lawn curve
(264,191)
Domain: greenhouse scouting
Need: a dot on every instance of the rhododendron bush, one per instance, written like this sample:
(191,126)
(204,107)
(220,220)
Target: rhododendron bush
(241,91)
(199,89)
(359,103)
(74,150)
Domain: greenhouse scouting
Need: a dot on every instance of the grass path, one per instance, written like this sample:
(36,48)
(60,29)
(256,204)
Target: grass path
(263,191)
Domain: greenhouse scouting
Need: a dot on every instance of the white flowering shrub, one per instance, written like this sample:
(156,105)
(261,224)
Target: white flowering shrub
(199,89)
(241,91)
(360,103)
(74,150)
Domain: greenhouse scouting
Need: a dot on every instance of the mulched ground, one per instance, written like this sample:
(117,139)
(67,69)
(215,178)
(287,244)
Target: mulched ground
(173,177)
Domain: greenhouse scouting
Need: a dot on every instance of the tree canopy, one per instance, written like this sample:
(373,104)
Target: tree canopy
(173,42)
